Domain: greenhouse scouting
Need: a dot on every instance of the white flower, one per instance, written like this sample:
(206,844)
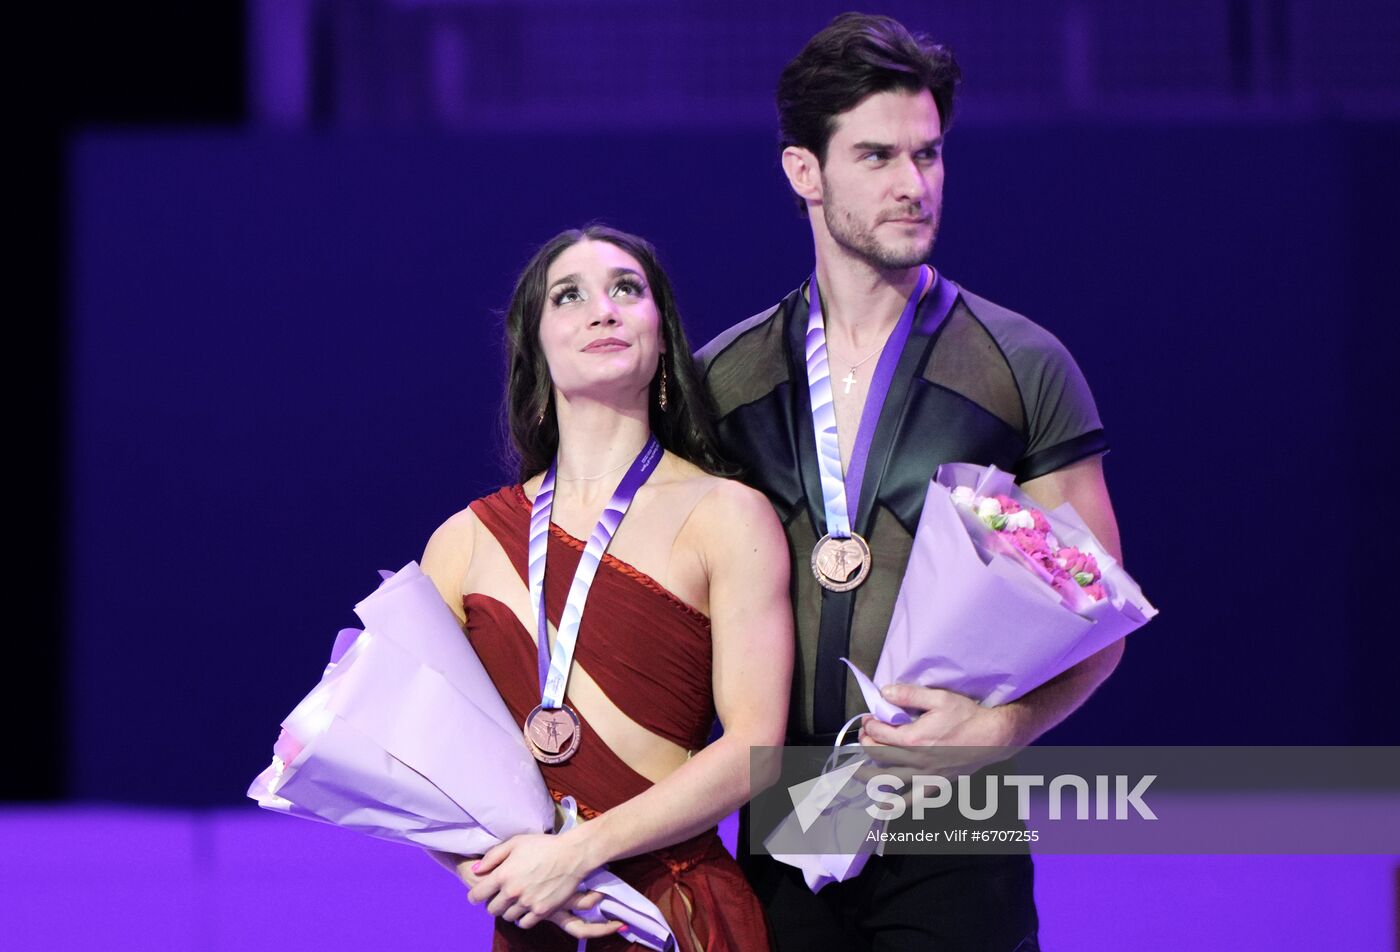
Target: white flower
(988,507)
(964,496)
(1020,520)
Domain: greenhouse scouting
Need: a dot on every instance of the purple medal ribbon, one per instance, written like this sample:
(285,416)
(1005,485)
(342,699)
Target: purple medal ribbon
(841,494)
(554,669)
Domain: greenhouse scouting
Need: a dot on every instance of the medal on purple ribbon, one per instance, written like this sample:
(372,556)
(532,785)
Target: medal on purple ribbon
(841,564)
(552,733)
(552,730)
(841,558)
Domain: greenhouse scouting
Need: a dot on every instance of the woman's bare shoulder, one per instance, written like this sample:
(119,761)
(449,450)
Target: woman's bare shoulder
(724,492)
(727,504)
(448,555)
(745,552)
(456,530)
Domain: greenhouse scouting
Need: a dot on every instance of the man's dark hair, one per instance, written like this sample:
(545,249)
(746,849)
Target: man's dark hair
(686,427)
(858,55)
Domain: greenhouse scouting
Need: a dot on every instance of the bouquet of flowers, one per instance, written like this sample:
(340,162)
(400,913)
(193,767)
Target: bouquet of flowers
(405,738)
(1075,575)
(998,597)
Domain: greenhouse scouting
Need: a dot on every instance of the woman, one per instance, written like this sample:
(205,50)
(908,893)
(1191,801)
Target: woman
(687,617)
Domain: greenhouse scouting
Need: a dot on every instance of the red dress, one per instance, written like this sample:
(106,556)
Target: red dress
(650,653)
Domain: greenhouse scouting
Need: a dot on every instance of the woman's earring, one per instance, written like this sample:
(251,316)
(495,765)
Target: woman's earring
(662,395)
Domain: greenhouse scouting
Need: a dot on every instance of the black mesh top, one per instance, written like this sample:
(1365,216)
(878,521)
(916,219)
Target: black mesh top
(986,386)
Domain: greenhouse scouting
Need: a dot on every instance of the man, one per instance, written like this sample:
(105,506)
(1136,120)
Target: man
(921,372)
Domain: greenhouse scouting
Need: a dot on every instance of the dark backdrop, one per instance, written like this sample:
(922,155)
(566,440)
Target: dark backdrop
(260,366)
(284,374)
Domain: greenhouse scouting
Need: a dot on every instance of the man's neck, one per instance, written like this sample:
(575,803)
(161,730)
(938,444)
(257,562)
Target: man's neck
(860,303)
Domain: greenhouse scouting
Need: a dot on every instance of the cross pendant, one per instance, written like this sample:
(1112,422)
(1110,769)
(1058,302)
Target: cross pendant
(849,379)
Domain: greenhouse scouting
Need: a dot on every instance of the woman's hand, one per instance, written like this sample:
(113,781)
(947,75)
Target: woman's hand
(582,928)
(565,917)
(529,877)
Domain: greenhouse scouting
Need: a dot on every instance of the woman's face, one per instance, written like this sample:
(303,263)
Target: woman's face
(600,330)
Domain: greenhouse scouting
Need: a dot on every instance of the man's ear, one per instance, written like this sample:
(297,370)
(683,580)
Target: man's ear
(804,173)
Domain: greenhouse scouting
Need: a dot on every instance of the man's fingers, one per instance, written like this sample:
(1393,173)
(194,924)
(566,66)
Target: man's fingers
(919,698)
(909,735)
(878,731)
(895,693)
(885,735)
(912,695)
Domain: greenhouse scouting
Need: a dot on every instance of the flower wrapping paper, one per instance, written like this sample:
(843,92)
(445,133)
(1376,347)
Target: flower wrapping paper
(405,738)
(972,617)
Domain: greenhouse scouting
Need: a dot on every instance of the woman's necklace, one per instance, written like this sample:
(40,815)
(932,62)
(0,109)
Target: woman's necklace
(575,479)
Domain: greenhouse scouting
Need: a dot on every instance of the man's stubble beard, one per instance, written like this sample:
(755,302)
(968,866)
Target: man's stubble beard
(860,241)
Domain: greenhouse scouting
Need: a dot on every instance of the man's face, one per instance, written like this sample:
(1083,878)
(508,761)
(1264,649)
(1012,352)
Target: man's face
(882,181)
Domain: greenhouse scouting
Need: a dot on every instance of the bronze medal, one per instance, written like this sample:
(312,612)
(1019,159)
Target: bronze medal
(841,564)
(552,733)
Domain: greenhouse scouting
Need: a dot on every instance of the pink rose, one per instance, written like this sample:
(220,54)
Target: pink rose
(1041,523)
(1055,569)
(1076,561)
(1095,591)
(1030,542)
(1008,505)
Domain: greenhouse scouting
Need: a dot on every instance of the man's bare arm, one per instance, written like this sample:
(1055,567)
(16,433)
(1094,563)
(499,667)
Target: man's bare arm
(955,719)
(1081,485)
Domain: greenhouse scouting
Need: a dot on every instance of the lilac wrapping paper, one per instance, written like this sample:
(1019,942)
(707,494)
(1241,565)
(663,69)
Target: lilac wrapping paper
(831,818)
(405,738)
(979,622)
(972,618)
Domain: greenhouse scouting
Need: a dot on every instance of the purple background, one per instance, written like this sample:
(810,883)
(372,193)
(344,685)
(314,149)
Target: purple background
(224,880)
(271,243)
(285,374)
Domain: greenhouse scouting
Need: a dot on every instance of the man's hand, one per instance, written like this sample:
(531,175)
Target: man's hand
(954,735)
(948,719)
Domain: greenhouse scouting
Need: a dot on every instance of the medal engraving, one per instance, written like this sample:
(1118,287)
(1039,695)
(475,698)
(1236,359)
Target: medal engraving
(841,564)
(552,734)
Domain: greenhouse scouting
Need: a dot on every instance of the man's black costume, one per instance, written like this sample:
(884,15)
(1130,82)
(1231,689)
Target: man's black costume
(984,386)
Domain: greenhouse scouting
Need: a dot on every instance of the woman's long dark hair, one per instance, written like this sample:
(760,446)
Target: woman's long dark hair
(685,428)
